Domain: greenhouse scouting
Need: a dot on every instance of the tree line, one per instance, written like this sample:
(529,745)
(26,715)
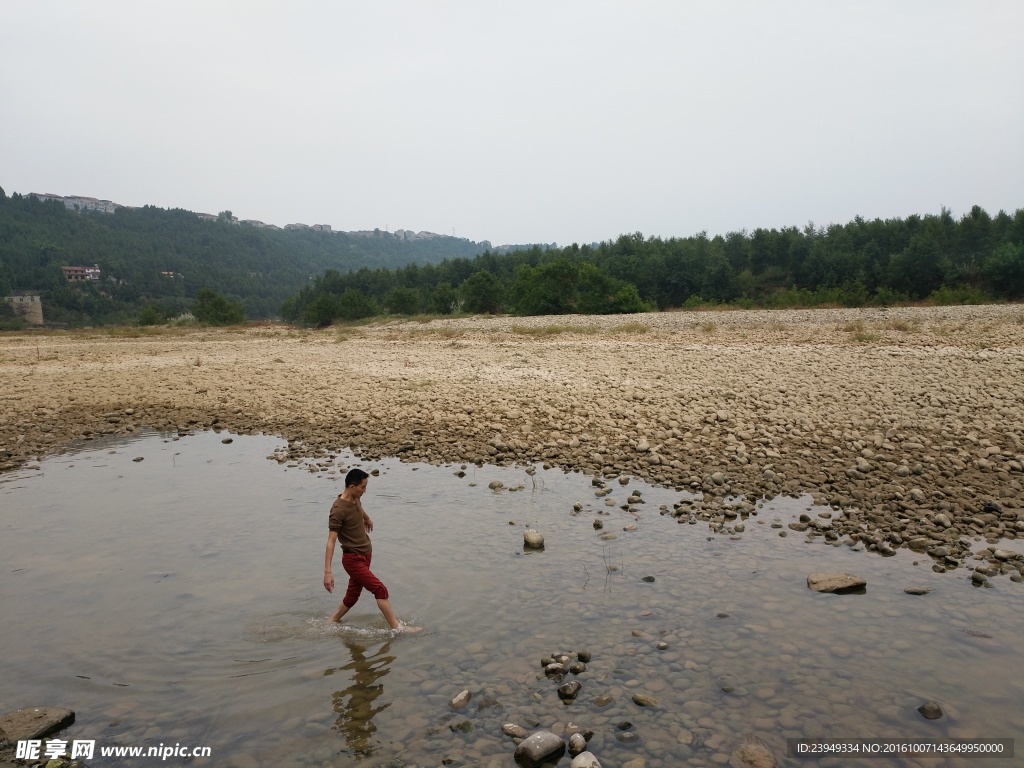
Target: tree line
(939,258)
(157,264)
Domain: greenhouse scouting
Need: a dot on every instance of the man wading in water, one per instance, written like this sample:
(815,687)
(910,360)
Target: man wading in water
(349,523)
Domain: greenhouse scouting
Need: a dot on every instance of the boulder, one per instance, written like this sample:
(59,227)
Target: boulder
(35,722)
(539,748)
(835,582)
(577,744)
(569,691)
(533,539)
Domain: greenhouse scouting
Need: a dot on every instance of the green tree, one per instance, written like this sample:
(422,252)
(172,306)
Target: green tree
(215,309)
(148,316)
(916,270)
(444,299)
(627,300)
(482,293)
(1004,270)
(548,289)
(403,301)
(355,306)
(322,311)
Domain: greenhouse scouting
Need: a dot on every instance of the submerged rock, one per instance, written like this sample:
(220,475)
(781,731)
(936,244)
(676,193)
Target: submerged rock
(644,700)
(461,700)
(515,731)
(569,691)
(585,760)
(752,753)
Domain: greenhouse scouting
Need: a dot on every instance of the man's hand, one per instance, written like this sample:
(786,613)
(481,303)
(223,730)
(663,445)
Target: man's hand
(367,522)
(328,581)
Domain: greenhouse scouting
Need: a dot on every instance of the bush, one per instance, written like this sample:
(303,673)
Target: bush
(887,297)
(444,299)
(214,309)
(353,305)
(403,301)
(482,293)
(627,301)
(1004,270)
(946,296)
(148,316)
(322,311)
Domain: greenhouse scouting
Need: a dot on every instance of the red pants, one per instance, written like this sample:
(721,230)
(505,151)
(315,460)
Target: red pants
(358,569)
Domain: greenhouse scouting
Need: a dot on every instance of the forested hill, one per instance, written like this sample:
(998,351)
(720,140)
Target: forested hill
(936,258)
(162,258)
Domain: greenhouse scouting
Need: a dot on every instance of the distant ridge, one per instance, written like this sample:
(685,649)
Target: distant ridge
(92,204)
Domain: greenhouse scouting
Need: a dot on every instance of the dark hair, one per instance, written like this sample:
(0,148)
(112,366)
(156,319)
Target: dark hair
(355,477)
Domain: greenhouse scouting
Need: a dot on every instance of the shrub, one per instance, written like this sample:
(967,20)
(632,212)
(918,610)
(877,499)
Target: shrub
(214,309)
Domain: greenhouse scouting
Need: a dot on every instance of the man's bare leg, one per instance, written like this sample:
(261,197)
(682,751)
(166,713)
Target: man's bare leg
(389,616)
(336,616)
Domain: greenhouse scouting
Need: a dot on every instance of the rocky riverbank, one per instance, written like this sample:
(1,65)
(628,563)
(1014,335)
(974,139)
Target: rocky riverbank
(908,423)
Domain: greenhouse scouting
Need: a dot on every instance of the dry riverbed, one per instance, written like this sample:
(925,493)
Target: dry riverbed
(908,422)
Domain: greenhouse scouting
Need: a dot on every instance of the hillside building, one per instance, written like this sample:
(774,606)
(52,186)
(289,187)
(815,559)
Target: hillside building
(81,274)
(29,307)
(79,203)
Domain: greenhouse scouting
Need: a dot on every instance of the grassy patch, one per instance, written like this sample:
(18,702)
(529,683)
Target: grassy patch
(632,327)
(551,330)
(865,336)
(708,327)
(442,331)
(904,326)
(857,326)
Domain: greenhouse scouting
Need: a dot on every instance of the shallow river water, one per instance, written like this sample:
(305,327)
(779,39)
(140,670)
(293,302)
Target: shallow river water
(178,600)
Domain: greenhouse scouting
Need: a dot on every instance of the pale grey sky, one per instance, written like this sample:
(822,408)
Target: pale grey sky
(519,122)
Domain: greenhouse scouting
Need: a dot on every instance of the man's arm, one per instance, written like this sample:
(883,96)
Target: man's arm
(367,522)
(332,537)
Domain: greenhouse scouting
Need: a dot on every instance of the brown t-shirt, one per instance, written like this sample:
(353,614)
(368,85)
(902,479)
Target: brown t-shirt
(347,519)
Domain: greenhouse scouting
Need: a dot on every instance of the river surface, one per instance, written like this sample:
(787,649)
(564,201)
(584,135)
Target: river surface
(178,600)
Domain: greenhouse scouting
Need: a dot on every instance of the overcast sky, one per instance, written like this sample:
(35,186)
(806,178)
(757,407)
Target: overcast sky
(519,122)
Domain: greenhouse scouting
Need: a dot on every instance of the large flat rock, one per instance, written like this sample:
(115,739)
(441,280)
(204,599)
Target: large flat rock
(835,582)
(35,722)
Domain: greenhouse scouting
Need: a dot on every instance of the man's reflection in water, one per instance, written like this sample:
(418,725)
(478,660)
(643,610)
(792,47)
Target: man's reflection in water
(355,704)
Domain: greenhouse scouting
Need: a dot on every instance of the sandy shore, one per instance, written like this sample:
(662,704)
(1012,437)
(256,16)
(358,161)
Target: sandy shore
(909,422)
